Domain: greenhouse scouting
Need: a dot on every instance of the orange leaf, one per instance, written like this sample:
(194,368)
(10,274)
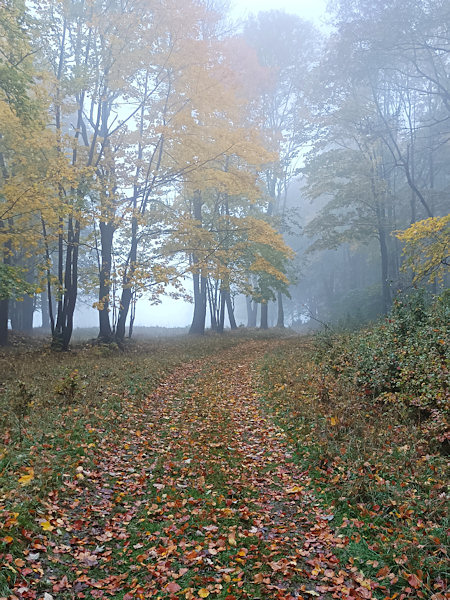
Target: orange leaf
(383,572)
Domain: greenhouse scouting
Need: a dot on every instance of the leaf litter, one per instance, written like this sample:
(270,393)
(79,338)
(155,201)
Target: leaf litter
(194,493)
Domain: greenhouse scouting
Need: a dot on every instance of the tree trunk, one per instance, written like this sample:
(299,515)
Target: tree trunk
(386,292)
(27,310)
(127,292)
(264,315)
(199,318)
(106,234)
(230,310)
(200,281)
(212,302)
(221,324)
(68,285)
(4,309)
(280,317)
(45,315)
(252,312)
(132,315)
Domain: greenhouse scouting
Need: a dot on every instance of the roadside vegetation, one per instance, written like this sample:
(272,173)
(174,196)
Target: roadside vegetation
(368,414)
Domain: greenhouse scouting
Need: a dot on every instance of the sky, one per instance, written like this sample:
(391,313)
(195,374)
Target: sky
(311,10)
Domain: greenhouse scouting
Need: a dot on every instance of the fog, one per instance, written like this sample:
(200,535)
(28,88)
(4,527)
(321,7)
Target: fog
(185,165)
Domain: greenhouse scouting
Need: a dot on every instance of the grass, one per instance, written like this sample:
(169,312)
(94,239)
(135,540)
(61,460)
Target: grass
(56,407)
(370,462)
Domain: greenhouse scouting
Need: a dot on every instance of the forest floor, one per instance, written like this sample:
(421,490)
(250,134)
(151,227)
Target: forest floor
(170,477)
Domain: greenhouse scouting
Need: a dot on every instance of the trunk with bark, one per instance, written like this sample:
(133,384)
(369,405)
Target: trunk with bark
(107,234)
(45,315)
(200,281)
(280,314)
(264,315)
(21,313)
(199,318)
(221,323)
(68,283)
(4,314)
(127,292)
(230,310)
(4,301)
(252,310)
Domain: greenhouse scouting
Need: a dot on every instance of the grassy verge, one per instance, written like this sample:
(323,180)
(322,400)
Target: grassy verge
(369,459)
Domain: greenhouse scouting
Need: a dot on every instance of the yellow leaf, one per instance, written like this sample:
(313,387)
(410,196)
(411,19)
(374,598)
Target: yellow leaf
(8,539)
(26,479)
(46,526)
(203,593)
(294,490)
(333,421)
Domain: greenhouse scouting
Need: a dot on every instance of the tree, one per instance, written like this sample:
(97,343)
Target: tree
(26,159)
(348,173)
(427,248)
(287,47)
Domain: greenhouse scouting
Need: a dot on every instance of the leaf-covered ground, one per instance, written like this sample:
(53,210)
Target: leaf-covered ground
(190,492)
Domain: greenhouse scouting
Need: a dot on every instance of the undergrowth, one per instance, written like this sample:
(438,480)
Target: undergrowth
(368,415)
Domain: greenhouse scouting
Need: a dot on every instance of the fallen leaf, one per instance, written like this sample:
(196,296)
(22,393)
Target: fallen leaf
(26,479)
(46,526)
(294,490)
(383,572)
(414,581)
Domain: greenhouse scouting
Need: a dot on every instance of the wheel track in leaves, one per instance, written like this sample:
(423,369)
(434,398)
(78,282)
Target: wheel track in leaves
(192,493)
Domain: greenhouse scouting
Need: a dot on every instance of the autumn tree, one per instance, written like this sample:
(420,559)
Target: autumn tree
(26,160)
(427,248)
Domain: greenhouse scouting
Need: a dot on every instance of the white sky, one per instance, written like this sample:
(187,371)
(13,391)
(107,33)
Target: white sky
(312,10)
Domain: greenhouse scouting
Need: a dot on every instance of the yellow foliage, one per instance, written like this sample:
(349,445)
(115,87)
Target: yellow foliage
(427,248)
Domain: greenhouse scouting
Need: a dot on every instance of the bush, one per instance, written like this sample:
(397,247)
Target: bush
(404,359)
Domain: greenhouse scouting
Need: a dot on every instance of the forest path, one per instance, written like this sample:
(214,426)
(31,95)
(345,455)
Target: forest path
(194,493)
